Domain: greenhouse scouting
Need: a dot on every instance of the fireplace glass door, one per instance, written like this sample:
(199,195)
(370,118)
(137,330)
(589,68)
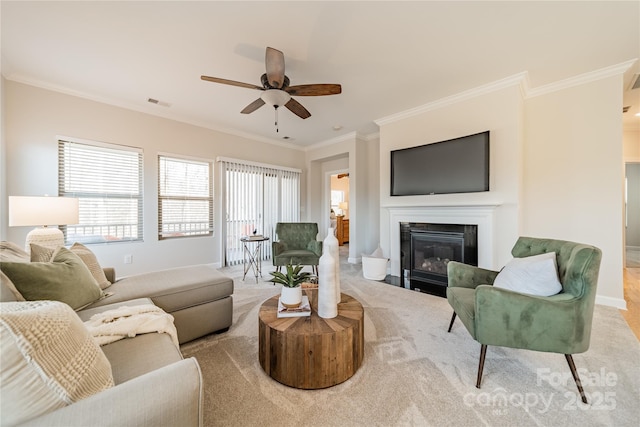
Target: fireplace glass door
(431,251)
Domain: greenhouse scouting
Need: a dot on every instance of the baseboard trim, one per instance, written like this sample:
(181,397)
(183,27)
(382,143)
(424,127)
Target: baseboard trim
(619,303)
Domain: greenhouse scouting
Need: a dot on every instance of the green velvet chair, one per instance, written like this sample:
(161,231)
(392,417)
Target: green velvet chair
(297,244)
(559,324)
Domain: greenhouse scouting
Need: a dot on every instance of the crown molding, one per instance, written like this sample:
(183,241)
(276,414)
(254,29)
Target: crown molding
(520,79)
(581,79)
(152,111)
(338,139)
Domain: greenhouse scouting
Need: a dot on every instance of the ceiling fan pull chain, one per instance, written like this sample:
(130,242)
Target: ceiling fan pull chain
(276,108)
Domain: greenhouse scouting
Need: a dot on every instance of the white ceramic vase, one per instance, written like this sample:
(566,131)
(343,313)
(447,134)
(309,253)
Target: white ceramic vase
(291,297)
(332,245)
(327,302)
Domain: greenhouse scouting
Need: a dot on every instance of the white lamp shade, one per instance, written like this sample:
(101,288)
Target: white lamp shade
(275,97)
(343,205)
(34,211)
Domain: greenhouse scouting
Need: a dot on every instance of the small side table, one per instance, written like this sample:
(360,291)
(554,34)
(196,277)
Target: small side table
(252,257)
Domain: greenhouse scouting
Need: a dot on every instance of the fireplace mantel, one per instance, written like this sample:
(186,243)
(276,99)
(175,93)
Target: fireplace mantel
(481,215)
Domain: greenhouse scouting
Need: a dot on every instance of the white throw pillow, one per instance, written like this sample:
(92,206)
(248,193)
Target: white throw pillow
(534,275)
(49,360)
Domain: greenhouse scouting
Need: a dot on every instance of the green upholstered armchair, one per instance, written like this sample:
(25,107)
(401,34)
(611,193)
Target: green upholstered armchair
(297,244)
(559,324)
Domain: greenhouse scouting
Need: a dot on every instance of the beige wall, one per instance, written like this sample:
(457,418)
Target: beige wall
(573,181)
(34,117)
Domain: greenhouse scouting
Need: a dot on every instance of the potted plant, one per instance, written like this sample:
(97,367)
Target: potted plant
(291,295)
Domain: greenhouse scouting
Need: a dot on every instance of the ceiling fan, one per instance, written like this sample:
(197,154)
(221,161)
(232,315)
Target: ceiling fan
(276,89)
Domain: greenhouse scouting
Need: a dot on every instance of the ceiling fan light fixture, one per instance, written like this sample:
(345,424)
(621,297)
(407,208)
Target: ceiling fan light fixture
(275,97)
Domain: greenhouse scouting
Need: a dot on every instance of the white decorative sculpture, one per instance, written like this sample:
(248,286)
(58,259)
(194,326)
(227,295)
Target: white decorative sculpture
(331,244)
(327,301)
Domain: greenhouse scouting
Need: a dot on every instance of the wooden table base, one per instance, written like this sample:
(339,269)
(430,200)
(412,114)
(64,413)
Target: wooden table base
(311,352)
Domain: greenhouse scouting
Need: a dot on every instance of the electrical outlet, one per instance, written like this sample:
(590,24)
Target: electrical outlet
(128,259)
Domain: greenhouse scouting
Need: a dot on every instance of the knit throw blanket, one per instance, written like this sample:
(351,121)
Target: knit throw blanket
(123,322)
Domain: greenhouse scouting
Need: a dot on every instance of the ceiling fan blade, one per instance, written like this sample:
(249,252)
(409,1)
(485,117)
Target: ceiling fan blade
(274,60)
(314,90)
(253,106)
(296,108)
(231,82)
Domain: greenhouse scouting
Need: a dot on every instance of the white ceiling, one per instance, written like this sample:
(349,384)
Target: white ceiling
(389,56)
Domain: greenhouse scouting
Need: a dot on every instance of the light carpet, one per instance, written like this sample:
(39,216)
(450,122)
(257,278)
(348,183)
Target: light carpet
(414,373)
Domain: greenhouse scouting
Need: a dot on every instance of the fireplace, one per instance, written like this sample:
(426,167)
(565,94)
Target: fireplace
(426,249)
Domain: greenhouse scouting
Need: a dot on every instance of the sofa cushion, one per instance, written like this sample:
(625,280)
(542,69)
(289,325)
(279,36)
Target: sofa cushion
(49,360)
(66,278)
(174,289)
(44,254)
(533,275)
(132,357)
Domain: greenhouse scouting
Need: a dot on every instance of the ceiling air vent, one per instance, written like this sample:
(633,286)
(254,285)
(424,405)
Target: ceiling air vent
(625,109)
(161,103)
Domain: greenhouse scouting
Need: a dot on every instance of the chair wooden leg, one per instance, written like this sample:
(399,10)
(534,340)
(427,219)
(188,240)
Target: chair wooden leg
(576,377)
(483,353)
(453,319)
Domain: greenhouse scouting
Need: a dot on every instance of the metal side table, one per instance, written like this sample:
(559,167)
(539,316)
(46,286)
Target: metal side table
(252,256)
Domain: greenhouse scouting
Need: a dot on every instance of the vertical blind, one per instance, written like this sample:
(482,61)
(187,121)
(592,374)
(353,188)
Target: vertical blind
(257,197)
(107,180)
(185,198)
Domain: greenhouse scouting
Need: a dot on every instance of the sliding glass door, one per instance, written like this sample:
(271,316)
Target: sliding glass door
(257,197)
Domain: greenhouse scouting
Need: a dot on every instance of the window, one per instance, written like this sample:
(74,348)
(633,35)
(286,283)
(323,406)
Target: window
(107,180)
(185,198)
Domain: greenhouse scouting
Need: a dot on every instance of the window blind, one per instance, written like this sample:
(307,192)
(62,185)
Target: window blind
(185,198)
(257,197)
(107,180)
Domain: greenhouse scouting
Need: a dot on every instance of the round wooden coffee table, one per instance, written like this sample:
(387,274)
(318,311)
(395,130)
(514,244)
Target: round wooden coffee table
(311,352)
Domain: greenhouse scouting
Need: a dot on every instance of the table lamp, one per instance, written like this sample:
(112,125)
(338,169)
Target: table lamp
(43,211)
(344,207)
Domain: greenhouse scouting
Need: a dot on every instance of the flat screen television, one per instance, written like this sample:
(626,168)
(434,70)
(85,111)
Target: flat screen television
(459,165)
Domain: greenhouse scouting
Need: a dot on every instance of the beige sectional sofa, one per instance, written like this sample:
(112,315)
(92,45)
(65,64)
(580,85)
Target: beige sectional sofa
(152,384)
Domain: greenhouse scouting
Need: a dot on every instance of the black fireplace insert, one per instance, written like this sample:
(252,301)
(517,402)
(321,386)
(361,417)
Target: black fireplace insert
(426,249)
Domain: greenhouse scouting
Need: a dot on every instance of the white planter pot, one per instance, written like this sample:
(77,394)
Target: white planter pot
(291,297)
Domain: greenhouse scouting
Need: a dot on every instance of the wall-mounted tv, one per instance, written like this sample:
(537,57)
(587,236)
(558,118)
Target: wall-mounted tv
(459,165)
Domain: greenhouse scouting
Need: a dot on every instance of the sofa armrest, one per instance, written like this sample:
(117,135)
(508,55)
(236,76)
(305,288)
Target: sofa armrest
(110,272)
(169,396)
(468,276)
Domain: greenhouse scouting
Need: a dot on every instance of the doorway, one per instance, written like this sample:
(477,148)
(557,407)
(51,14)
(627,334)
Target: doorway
(339,202)
(632,215)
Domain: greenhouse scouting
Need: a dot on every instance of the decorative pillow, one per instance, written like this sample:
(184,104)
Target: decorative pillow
(43,254)
(6,285)
(49,360)
(11,252)
(534,275)
(66,278)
